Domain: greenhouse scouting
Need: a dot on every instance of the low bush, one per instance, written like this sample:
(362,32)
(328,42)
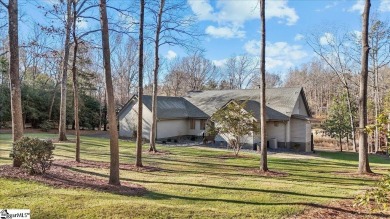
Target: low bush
(36,155)
(376,198)
(47,125)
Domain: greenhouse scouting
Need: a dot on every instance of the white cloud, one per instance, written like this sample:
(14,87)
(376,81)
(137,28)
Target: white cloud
(234,14)
(127,20)
(326,38)
(278,55)
(202,9)
(219,63)
(358,6)
(280,9)
(51,2)
(357,34)
(328,6)
(82,23)
(224,32)
(170,55)
(299,37)
(384,6)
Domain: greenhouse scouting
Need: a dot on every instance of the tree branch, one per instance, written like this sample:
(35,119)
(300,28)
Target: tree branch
(3,3)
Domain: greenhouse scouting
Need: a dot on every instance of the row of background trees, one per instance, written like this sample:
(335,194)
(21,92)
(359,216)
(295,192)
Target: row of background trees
(44,64)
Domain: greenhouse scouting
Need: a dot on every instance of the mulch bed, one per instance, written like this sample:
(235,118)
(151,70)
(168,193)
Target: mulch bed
(339,210)
(61,175)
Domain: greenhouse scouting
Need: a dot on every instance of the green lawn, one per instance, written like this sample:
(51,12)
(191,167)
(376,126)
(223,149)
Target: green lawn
(194,182)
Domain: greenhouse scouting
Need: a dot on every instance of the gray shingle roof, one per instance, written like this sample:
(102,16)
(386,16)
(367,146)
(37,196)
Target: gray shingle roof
(280,101)
(174,108)
(253,107)
(202,104)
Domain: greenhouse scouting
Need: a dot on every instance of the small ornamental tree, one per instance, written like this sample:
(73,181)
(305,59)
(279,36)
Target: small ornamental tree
(233,122)
(337,125)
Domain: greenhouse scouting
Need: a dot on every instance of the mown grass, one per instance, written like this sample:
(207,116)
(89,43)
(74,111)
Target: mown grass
(194,182)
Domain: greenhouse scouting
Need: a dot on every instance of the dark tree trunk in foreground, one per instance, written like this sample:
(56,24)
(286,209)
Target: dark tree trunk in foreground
(364,166)
(138,161)
(263,156)
(155,79)
(75,84)
(16,100)
(62,123)
(114,147)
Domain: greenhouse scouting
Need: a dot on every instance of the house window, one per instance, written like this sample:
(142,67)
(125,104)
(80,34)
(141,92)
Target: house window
(192,124)
(202,124)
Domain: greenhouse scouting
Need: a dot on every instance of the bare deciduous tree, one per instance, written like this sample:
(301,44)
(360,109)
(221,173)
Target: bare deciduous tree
(138,160)
(331,47)
(364,166)
(152,139)
(114,147)
(263,147)
(13,68)
(240,69)
(171,27)
(68,26)
(75,82)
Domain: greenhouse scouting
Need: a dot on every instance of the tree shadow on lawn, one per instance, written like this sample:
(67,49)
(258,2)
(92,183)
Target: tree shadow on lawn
(343,209)
(248,169)
(351,156)
(313,163)
(61,175)
(212,186)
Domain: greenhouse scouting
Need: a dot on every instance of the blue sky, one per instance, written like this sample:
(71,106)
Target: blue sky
(231,27)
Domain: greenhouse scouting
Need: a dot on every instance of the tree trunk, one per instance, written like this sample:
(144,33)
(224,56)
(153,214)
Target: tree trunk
(114,147)
(16,99)
(155,79)
(138,161)
(388,135)
(62,124)
(100,111)
(75,84)
(52,101)
(341,144)
(263,157)
(364,166)
(376,103)
(105,112)
(351,118)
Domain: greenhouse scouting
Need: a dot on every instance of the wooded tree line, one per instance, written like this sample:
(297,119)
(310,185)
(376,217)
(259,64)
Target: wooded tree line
(333,73)
(108,69)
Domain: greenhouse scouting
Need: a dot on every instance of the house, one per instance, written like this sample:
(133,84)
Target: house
(287,115)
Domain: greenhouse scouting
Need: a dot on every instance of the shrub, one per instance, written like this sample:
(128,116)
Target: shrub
(36,155)
(376,198)
(46,125)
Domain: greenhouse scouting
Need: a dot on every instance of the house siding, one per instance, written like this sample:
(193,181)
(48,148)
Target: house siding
(172,128)
(300,108)
(128,121)
(276,130)
(300,135)
(197,131)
